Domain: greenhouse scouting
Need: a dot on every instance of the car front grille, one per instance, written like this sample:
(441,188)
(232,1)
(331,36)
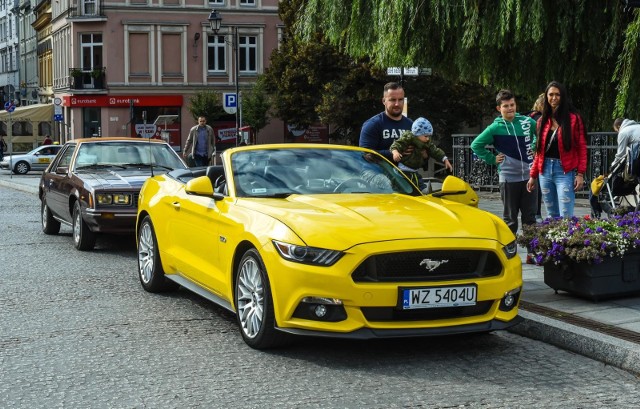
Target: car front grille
(425,314)
(136,197)
(432,265)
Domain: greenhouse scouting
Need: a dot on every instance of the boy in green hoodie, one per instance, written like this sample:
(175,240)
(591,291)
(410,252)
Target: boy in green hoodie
(512,135)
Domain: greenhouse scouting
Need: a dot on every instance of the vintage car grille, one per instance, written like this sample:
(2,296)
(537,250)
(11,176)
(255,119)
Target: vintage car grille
(136,197)
(414,266)
(423,314)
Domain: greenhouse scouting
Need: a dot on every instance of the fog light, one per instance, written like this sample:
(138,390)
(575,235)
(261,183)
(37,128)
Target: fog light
(510,299)
(320,311)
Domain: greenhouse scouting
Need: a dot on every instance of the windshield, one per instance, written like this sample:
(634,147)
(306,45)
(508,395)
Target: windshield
(127,154)
(281,172)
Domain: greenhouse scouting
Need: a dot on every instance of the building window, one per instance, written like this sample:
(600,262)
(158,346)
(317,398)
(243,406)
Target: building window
(248,50)
(247,2)
(91,57)
(89,7)
(216,2)
(216,54)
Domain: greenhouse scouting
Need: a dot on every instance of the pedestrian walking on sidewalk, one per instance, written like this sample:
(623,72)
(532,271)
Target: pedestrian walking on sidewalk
(560,153)
(201,145)
(512,135)
(3,147)
(381,130)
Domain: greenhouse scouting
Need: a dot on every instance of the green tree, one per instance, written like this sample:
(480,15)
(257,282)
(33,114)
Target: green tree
(313,81)
(256,105)
(206,103)
(507,43)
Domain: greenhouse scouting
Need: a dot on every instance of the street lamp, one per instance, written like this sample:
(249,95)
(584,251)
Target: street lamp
(215,21)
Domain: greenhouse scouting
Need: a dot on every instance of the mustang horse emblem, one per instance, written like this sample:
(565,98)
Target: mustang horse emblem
(432,264)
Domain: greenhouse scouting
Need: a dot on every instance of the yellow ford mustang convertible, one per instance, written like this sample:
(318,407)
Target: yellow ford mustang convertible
(327,240)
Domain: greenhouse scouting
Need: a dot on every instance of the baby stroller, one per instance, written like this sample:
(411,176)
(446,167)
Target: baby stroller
(617,191)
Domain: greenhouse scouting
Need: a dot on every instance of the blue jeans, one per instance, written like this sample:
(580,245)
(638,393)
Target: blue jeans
(557,188)
(201,160)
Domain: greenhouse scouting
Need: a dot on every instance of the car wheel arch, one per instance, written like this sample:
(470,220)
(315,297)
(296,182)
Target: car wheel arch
(140,218)
(242,248)
(73,198)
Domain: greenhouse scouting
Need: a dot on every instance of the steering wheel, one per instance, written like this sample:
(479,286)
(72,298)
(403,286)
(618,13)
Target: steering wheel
(353,182)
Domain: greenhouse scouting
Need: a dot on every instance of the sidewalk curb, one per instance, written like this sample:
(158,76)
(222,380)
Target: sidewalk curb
(16,186)
(595,345)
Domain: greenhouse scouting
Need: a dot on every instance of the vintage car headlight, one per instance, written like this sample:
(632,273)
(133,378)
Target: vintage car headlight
(113,198)
(511,249)
(307,255)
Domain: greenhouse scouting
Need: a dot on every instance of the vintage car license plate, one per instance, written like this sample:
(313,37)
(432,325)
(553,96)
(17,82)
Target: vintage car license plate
(436,297)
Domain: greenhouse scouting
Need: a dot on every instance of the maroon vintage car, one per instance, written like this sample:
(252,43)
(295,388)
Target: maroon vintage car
(93,185)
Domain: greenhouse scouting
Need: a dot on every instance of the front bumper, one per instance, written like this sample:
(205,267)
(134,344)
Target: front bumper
(373,333)
(111,221)
(367,306)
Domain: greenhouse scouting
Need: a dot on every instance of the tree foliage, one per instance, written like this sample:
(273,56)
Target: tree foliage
(508,43)
(313,81)
(255,106)
(206,103)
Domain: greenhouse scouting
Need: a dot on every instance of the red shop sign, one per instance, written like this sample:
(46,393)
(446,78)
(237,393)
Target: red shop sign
(122,100)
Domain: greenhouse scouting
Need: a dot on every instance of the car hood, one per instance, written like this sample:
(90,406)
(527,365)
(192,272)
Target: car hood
(15,157)
(115,179)
(361,218)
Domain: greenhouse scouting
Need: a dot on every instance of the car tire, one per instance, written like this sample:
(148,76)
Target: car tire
(83,238)
(254,305)
(49,224)
(21,168)
(150,269)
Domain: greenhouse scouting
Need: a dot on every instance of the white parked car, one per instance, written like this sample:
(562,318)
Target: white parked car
(37,159)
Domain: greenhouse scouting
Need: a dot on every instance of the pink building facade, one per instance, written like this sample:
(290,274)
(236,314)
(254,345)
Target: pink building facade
(129,68)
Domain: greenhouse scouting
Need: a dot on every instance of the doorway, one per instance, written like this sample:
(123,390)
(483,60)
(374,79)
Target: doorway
(91,126)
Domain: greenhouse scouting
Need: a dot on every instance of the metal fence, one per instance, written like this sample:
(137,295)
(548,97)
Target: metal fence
(601,150)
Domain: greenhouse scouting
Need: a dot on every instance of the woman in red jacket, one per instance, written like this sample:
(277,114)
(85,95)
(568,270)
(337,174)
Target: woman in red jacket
(561,152)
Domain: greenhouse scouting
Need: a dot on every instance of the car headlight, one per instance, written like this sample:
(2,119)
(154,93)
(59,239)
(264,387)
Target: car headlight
(113,198)
(511,249)
(306,254)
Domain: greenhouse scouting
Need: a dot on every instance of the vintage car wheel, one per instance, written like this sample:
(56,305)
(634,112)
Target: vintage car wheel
(150,269)
(21,168)
(49,224)
(254,306)
(83,238)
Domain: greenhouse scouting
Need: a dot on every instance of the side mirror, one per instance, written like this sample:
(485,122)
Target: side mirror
(457,190)
(63,170)
(201,186)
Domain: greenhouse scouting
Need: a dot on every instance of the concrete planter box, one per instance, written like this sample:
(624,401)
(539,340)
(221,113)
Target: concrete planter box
(613,278)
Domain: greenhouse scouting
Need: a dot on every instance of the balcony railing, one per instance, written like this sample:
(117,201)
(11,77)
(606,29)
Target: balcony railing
(601,150)
(87,79)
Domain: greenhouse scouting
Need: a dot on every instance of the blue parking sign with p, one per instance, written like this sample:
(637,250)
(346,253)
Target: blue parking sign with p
(230,100)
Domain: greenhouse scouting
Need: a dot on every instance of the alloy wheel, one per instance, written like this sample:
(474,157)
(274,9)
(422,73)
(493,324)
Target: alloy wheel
(145,253)
(250,292)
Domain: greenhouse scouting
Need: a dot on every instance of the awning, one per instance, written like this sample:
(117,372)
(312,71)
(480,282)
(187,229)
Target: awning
(31,113)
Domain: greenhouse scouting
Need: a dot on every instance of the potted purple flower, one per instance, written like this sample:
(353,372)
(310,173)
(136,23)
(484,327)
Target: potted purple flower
(595,258)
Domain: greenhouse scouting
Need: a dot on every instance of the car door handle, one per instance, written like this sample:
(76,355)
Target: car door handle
(176,205)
